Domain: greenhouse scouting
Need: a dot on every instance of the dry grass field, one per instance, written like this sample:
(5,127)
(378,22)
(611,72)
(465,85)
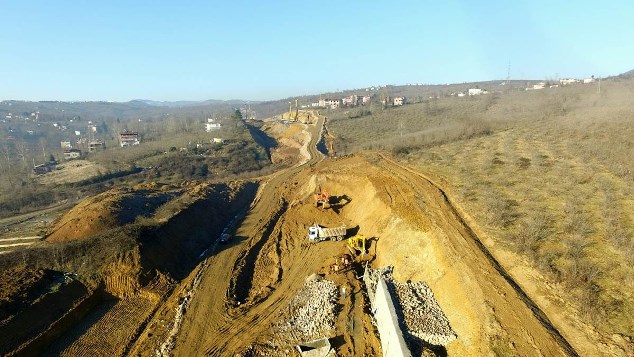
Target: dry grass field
(547,176)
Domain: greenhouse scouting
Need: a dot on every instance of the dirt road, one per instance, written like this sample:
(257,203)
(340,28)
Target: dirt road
(235,299)
(247,284)
(211,324)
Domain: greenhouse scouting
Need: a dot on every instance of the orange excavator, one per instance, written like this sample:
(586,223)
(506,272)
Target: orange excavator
(322,198)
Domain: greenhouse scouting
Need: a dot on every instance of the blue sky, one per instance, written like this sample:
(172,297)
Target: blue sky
(258,50)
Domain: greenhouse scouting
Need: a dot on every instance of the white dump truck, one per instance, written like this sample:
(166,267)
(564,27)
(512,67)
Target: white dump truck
(317,233)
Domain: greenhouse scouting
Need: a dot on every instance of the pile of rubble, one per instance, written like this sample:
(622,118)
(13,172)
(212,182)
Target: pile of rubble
(311,313)
(423,317)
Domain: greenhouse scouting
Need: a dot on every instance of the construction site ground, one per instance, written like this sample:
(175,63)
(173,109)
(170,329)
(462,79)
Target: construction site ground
(238,296)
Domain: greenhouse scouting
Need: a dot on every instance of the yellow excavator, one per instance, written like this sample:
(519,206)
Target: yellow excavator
(357,244)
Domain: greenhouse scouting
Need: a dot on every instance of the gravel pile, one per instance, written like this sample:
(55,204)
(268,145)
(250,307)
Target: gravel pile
(311,313)
(423,317)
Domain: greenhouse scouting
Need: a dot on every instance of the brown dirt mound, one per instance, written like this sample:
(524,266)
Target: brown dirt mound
(107,210)
(290,139)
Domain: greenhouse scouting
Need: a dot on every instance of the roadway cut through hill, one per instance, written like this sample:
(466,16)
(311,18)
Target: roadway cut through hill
(242,294)
(418,233)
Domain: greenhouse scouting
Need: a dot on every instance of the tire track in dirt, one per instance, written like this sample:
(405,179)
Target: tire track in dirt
(541,317)
(242,281)
(211,325)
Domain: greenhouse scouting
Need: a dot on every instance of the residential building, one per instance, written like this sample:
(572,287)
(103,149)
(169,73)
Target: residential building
(329,103)
(70,154)
(476,91)
(129,138)
(96,145)
(540,85)
(66,145)
(349,101)
(211,124)
(398,101)
(567,81)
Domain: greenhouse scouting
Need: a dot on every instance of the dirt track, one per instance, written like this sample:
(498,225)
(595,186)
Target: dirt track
(246,285)
(235,299)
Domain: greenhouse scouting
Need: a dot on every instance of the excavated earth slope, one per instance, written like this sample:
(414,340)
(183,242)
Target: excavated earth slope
(174,290)
(246,287)
(129,248)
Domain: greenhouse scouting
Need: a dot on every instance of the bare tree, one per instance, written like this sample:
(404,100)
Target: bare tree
(6,153)
(43,143)
(23,151)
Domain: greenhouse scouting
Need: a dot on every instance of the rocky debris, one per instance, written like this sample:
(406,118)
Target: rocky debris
(170,342)
(421,315)
(310,315)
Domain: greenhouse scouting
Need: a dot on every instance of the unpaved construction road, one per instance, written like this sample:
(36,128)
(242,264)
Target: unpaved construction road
(239,298)
(245,285)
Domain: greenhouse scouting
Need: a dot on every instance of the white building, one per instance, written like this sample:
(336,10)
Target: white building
(129,138)
(540,85)
(211,125)
(329,103)
(398,101)
(567,81)
(476,91)
(349,101)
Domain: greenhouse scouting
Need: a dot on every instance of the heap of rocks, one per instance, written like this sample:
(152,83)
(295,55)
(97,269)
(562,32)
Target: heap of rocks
(423,317)
(311,313)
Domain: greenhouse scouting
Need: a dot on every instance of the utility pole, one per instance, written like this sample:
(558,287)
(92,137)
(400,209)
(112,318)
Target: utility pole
(508,74)
(599,89)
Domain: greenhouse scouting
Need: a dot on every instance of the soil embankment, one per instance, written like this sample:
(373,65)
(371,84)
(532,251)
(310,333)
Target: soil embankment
(413,228)
(132,246)
(177,291)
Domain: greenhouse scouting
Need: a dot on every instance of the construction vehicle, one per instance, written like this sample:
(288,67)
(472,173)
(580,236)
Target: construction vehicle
(357,243)
(317,233)
(322,198)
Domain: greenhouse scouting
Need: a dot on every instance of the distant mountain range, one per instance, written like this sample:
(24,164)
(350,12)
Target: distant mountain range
(191,103)
(628,74)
